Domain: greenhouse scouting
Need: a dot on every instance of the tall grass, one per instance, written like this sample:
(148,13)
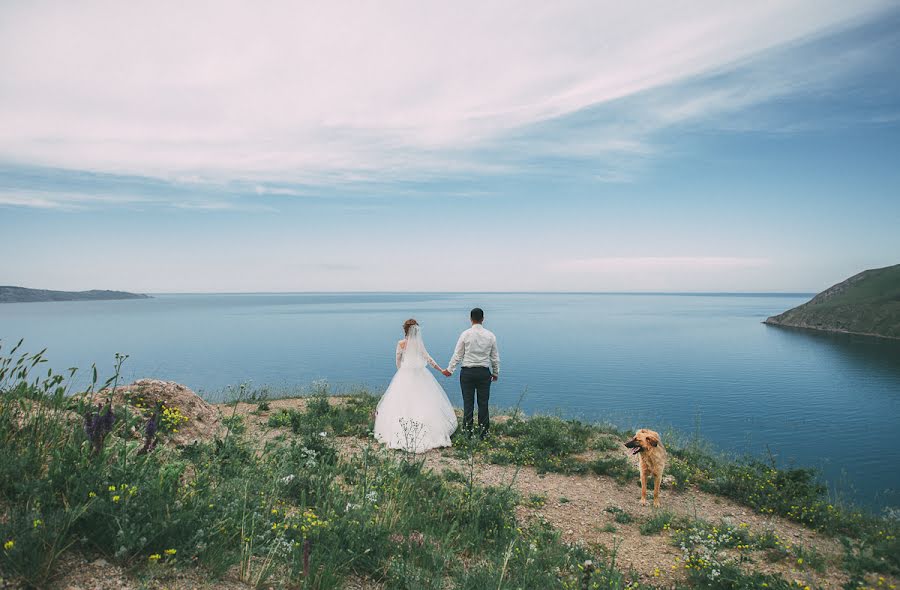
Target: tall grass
(291,513)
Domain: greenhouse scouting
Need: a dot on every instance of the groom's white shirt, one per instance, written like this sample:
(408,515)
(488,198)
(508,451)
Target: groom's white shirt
(476,347)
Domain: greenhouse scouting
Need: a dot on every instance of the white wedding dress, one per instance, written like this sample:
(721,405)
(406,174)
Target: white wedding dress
(414,413)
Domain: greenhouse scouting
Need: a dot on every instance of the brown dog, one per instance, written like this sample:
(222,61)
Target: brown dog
(652,461)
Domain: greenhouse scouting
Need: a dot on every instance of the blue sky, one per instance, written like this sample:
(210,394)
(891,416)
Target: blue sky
(588,146)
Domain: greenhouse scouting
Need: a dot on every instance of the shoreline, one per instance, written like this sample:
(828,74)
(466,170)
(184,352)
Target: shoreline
(779,324)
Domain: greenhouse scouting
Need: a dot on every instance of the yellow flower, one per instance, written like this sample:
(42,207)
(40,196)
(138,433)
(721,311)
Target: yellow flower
(9,544)
(37,522)
(170,551)
(92,494)
(154,557)
(111,489)
(116,498)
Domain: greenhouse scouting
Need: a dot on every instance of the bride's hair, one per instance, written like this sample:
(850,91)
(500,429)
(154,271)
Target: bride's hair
(409,324)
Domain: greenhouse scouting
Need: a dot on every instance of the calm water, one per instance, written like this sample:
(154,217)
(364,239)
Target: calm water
(677,363)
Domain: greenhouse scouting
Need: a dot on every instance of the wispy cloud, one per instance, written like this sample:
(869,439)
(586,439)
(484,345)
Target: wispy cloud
(63,200)
(659,263)
(348,93)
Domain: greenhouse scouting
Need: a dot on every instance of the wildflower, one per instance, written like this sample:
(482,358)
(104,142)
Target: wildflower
(98,424)
(116,498)
(111,489)
(155,557)
(170,551)
(150,430)
(37,522)
(92,494)
(9,545)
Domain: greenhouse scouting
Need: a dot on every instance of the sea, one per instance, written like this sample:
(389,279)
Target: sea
(691,366)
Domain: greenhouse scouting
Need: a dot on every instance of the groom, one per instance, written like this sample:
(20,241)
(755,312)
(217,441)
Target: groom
(476,349)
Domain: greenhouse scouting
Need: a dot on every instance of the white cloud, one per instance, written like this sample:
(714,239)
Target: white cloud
(75,201)
(659,263)
(63,200)
(340,92)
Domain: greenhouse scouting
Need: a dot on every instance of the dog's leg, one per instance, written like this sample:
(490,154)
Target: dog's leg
(643,486)
(657,479)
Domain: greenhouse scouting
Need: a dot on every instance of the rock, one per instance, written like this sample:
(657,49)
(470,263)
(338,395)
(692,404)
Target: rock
(203,420)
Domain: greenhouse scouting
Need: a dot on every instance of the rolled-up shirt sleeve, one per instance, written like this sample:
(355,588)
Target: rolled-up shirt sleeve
(457,353)
(495,359)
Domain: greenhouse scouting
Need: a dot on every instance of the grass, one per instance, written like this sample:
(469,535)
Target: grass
(619,515)
(353,417)
(662,520)
(545,442)
(295,513)
(289,514)
(616,467)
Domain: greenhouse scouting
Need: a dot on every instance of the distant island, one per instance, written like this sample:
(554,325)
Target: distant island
(867,303)
(23,295)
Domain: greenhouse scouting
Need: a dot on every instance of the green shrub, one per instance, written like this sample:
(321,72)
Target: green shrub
(544,442)
(619,515)
(662,520)
(617,467)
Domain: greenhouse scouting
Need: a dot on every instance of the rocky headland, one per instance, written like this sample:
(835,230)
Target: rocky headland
(867,303)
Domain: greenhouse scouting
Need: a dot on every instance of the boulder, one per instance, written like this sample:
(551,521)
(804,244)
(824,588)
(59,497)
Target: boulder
(203,420)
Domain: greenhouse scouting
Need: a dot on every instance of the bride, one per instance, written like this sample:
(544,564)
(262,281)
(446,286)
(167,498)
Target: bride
(414,414)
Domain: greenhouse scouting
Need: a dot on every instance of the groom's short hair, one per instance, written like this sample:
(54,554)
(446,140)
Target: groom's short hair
(477,315)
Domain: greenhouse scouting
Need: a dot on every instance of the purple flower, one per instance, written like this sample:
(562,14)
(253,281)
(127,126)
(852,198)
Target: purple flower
(98,424)
(150,433)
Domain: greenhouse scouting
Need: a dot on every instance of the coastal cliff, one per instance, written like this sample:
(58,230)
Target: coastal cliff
(23,295)
(867,303)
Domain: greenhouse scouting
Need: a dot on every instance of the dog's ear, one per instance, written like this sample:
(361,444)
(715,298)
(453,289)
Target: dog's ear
(652,440)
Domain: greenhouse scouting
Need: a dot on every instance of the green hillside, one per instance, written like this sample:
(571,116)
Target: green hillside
(23,295)
(866,303)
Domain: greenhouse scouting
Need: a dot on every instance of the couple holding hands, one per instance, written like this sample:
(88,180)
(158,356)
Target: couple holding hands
(414,413)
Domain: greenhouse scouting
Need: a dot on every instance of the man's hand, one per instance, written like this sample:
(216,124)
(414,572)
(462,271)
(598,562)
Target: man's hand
(494,377)
(446,373)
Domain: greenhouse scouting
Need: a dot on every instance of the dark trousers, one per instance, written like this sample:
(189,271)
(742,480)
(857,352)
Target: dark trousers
(474,380)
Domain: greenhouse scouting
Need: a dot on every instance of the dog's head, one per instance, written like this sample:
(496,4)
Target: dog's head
(643,440)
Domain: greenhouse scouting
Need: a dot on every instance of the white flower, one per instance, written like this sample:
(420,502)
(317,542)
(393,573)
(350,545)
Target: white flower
(288,478)
(323,434)
(372,497)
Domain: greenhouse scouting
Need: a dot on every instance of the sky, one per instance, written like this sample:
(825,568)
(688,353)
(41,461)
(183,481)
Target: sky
(466,146)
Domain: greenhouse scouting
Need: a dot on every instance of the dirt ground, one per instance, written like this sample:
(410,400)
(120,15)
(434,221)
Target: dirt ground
(576,505)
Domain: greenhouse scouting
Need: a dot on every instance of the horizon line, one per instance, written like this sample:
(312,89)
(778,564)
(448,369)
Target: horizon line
(515,292)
